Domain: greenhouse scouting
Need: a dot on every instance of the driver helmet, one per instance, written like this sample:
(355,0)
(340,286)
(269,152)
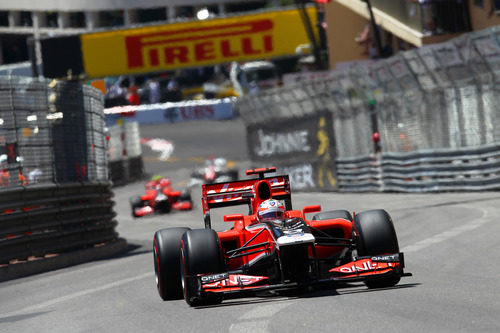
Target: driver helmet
(270,210)
(164,182)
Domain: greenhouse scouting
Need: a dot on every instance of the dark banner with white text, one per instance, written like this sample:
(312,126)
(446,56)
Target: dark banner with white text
(303,147)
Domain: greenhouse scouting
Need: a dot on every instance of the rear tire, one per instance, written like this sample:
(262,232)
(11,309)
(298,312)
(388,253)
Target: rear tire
(135,202)
(333,214)
(201,254)
(376,235)
(185,196)
(233,174)
(167,262)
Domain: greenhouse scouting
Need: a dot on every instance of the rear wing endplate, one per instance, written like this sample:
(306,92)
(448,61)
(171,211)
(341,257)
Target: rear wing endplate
(241,192)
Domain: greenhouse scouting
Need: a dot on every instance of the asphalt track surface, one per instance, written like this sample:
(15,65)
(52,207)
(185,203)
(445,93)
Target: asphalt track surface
(450,241)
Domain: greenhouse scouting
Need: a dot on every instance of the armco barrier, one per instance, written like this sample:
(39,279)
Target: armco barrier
(55,218)
(56,205)
(464,169)
(359,174)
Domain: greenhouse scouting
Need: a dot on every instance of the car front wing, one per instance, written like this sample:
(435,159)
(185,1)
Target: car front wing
(361,269)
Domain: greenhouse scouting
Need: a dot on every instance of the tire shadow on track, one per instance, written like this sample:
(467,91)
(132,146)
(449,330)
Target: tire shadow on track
(268,297)
(21,317)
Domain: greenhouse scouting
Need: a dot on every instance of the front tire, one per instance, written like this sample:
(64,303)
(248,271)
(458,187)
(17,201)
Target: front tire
(376,235)
(167,262)
(201,254)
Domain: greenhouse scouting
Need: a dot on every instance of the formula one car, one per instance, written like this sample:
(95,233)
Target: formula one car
(205,266)
(215,170)
(160,197)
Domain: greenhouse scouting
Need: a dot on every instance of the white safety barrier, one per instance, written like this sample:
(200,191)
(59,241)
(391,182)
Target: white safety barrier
(172,112)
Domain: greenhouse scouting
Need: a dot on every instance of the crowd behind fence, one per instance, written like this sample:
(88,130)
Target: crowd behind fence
(442,96)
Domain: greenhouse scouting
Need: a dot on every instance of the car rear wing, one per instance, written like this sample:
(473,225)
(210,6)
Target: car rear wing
(246,191)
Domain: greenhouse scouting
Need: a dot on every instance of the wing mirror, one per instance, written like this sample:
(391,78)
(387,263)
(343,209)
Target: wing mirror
(311,209)
(233,217)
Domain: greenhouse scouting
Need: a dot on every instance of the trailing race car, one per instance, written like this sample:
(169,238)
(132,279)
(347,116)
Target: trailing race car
(160,197)
(215,170)
(274,247)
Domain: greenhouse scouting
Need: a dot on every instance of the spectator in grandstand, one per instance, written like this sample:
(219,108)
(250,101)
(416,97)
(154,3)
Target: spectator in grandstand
(173,93)
(154,91)
(133,96)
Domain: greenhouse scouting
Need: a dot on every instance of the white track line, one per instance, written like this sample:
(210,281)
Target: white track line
(447,234)
(257,320)
(82,293)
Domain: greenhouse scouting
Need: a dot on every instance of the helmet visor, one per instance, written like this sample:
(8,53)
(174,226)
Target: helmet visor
(269,216)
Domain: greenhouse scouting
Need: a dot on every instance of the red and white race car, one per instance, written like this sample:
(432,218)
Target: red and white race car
(160,197)
(215,170)
(205,266)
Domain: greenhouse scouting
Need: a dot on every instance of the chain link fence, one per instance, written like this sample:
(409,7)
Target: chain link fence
(50,132)
(442,96)
(438,96)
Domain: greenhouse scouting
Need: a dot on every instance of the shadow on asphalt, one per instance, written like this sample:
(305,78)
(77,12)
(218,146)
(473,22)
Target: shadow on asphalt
(133,249)
(339,290)
(12,319)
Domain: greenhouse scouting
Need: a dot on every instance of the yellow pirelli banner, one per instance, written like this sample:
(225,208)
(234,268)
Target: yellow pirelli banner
(194,44)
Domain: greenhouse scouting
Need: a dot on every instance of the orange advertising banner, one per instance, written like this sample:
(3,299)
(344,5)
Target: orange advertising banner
(194,44)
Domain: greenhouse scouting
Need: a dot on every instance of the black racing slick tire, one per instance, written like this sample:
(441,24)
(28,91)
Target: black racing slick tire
(135,202)
(185,196)
(201,254)
(167,262)
(233,174)
(333,214)
(376,235)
